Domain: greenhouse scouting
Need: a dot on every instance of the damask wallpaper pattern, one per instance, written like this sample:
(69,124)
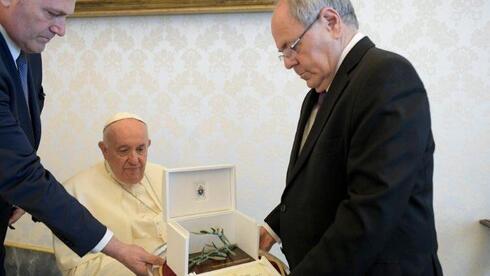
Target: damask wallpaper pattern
(213,91)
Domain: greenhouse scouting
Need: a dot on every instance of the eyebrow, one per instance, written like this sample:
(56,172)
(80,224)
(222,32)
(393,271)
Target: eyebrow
(56,12)
(127,146)
(284,46)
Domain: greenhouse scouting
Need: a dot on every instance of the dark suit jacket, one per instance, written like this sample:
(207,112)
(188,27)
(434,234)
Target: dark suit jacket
(23,180)
(358,198)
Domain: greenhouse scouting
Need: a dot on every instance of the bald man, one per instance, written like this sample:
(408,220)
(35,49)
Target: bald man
(123,192)
(26,26)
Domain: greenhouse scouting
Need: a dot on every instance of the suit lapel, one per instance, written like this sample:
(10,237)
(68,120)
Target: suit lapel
(338,85)
(17,98)
(34,105)
(308,105)
(7,58)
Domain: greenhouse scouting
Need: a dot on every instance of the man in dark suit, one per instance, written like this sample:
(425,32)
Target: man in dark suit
(25,28)
(358,195)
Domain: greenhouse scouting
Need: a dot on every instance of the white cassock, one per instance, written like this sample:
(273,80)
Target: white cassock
(133,213)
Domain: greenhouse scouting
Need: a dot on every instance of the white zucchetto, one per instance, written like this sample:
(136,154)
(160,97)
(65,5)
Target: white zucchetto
(121,116)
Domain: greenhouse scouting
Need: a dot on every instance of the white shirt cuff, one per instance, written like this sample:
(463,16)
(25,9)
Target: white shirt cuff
(103,242)
(271,232)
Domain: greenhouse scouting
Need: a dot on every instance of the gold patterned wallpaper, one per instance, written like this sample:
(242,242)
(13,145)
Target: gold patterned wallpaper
(213,91)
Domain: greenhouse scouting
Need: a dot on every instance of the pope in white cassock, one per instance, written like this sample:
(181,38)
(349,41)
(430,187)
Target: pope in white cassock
(124,192)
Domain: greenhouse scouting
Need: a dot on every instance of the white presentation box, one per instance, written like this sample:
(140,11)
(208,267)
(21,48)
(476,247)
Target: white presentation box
(199,198)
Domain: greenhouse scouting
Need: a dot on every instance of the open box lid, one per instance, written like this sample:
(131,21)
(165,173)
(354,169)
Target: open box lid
(199,190)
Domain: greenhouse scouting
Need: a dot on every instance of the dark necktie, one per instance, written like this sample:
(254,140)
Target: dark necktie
(321,98)
(22,66)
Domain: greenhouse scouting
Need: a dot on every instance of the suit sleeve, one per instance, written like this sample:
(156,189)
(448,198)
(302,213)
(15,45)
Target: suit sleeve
(25,183)
(273,220)
(389,133)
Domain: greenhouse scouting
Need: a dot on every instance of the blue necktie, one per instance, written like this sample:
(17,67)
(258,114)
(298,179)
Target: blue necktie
(24,111)
(22,66)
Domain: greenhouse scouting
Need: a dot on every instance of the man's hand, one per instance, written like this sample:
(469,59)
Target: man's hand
(266,240)
(133,257)
(17,213)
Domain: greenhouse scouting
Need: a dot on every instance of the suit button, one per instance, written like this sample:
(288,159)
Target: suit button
(283,208)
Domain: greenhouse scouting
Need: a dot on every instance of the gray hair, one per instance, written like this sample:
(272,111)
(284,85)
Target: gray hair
(306,11)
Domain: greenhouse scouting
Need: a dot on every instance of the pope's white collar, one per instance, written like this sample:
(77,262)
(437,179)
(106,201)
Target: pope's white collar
(113,176)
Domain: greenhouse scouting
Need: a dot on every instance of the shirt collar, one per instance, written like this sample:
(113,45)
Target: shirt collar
(14,49)
(354,40)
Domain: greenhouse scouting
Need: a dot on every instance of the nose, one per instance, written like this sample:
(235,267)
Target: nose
(59,26)
(133,157)
(290,62)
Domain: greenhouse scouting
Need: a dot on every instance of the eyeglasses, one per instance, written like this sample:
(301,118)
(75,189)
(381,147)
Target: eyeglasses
(290,50)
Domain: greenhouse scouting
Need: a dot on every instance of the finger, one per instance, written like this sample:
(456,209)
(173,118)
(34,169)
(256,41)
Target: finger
(15,216)
(139,268)
(264,247)
(154,260)
(147,258)
(143,272)
(14,219)
(266,243)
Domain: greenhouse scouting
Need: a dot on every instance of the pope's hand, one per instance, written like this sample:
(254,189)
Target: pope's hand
(133,257)
(266,240)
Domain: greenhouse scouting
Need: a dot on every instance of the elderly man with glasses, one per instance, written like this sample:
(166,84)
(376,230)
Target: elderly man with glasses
(358,195)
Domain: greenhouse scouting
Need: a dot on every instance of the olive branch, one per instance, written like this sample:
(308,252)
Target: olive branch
(211,251)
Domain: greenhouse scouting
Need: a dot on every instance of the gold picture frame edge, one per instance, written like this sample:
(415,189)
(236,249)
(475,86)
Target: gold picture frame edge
(124,11)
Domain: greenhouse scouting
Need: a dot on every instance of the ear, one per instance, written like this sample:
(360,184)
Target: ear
(5,3)
(103,149)
(149,142)
(331,20)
